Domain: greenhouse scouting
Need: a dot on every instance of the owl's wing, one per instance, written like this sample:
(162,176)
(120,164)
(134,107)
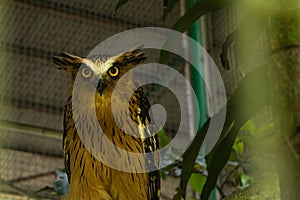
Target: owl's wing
(67,125)
(150,144)
(154,176)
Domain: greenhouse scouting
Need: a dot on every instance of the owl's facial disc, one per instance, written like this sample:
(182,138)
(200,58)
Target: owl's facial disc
(101,86)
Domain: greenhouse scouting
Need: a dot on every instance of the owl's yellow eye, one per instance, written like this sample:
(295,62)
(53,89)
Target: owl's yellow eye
(113,71)
(86,72)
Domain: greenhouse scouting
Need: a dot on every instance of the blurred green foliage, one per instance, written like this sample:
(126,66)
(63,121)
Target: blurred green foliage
(250,97)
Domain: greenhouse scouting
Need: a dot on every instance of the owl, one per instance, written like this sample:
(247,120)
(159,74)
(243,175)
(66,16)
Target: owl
(93,84)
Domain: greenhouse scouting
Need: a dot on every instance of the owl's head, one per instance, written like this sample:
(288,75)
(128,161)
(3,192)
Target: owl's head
(105,70)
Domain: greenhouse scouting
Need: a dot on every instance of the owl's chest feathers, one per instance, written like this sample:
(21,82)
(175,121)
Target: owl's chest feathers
(86,171)
(121,125)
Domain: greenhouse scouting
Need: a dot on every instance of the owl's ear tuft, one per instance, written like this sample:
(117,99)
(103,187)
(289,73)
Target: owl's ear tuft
(67,62)
(132,57)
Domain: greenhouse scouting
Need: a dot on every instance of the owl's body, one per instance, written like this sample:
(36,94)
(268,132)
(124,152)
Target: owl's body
(89,177)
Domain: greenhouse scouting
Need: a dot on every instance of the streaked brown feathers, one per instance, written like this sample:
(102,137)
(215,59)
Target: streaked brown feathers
(89,178)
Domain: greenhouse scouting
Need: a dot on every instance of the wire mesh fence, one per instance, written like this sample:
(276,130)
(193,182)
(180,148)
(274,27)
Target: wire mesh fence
(33,91)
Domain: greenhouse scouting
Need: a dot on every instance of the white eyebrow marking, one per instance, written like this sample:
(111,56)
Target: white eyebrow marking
(108,64)
(98,65)
(89,63)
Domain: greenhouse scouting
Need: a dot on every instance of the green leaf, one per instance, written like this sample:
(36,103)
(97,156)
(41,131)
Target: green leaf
(225,47)
(249,126)
(264,130)
(233,156)
(200,8)
(163,138)
(240,108)
(197,182)
(249,98)
(190,156)
(225,131)
(238,146)
(245,180)
(169,7)
(120,4)
(250,27)
(219,158)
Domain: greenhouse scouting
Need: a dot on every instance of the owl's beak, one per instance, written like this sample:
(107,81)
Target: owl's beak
(101,86)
